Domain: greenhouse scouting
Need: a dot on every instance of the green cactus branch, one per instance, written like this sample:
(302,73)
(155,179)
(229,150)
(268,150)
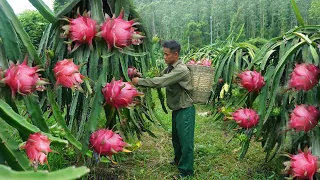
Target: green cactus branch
(67,174)
(23,126)
(10,149)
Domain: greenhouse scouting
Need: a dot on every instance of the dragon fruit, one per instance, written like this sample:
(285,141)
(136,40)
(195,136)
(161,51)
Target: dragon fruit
(192,62)
(119,33)
(302,165)
(206,62)
(253,81)
(133,72)
(106,143)
(246,118)
(202,62)
(81,31)
(120,94)
(67,74)
(304,118)
(23,79)
(37,148)
(304,77)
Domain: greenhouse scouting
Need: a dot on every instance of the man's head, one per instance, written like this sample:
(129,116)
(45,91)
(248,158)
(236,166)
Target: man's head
(171,50)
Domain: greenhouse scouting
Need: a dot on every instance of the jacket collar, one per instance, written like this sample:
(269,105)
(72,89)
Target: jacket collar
(176,63)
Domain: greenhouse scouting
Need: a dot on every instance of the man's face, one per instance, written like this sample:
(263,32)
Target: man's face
(169,57)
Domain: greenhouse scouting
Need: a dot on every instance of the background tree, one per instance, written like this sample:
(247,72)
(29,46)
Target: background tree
(34,24)
(261,19)
(314,11)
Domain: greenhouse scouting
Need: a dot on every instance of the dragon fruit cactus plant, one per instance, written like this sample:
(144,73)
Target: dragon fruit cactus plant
(253,81)
(302,165)
(120,33)
(23,79)
(304,77)
(80,30)
(120,94)
(67,74)
(37,148)
(106,143)
(304,118)
(246,118)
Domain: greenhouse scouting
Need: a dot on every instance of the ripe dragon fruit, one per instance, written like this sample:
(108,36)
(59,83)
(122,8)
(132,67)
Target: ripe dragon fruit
(253,81)
(119,33)
(120,94)
(105,142)
(37,148)
(302,166)
(206,62)
(304,118)
(192,62)
(23,79)
(81,31)
(304,77)
(246,118)
(133,72)
(202,62)
(67,74)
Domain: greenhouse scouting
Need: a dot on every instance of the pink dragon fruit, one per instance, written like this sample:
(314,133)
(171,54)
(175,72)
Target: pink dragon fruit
(105,142)
(81,31)
(67,74)
(206,62)
(302,166)
(253,81)
(133,72)
(199,62)
(120,94)
(120,33)
(37,148)
(23,79)
(246,118)
(304,118)
(304,77)
(192,62)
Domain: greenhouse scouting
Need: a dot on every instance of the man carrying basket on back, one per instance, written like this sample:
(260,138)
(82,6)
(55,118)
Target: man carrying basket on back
(177,80)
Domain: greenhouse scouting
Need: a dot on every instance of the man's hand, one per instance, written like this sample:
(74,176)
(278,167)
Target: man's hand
(135,81)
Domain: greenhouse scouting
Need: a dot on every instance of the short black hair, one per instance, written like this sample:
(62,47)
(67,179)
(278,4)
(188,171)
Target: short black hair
(173,45)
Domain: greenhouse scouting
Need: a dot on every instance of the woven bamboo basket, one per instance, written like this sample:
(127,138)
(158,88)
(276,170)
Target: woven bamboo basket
(202,81)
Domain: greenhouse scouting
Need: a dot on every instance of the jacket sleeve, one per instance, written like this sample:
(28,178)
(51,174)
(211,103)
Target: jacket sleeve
(176,75)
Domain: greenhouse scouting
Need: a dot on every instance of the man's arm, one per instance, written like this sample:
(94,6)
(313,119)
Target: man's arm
(173,77)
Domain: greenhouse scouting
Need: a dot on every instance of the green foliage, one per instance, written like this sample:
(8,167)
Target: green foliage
(34,24)
(58,4)
(258,42)
(198,34)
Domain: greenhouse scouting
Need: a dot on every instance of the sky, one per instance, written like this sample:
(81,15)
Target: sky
(20,5)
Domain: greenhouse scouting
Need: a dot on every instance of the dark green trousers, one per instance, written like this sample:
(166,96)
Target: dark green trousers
(183,121)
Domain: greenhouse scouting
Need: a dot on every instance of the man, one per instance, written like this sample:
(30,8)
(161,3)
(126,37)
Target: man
(177,80)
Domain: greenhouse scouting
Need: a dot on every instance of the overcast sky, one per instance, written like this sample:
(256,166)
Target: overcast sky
(20,5)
